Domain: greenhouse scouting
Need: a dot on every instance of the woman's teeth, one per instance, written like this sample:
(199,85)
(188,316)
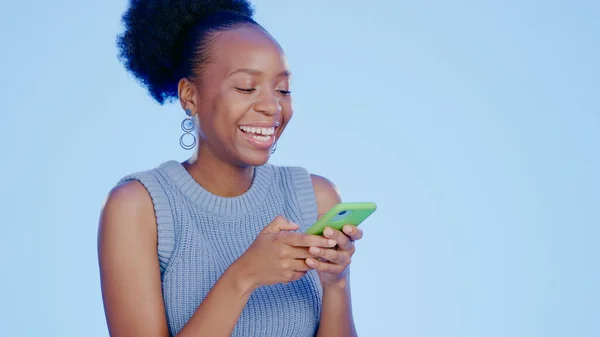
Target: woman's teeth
(260,134)
(261,138)
(257,130)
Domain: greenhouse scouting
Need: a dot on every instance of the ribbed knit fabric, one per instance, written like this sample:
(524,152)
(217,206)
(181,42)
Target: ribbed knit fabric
(201,234)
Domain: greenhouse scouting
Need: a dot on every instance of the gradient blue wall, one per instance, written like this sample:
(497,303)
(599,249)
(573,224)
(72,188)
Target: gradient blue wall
(473,124)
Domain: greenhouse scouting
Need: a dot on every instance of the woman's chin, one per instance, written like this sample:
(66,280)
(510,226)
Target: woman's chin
(255,158)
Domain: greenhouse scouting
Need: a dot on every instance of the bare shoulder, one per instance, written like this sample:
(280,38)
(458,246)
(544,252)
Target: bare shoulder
(127,197)
(128,213)
(326,193)
(127,206)
(129,267)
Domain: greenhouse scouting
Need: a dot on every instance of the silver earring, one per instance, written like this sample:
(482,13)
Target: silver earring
(274,148)
(187,125)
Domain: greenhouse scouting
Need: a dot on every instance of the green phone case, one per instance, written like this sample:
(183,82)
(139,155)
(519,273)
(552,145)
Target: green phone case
(345,213)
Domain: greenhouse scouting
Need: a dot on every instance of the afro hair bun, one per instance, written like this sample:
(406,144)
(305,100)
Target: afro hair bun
(154,37)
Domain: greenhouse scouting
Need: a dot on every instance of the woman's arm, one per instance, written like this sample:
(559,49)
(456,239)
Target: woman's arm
(336,315)
(130,274)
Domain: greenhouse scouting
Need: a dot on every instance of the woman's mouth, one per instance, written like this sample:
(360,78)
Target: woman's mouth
(261,137)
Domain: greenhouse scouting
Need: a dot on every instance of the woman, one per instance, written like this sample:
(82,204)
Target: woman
(215,246)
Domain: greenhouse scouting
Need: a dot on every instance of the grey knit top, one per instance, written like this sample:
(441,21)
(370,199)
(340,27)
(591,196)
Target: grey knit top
(201,234)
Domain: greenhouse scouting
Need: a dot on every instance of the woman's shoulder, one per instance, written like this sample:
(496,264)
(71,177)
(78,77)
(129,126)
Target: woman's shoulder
(322,184)
(133,193)
(127,214)
(128,199)
(325,191)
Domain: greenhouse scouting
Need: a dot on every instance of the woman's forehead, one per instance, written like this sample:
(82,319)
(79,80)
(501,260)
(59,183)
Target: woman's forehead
(249,50)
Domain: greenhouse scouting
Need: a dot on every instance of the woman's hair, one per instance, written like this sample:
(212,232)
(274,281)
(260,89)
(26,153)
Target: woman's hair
(164,41)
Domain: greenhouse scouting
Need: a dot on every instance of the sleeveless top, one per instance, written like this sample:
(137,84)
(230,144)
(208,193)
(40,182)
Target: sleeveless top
(201,234)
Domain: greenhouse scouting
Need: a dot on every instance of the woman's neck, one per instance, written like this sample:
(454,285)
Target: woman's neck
(217,176)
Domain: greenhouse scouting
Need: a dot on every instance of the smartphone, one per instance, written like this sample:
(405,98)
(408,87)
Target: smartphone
(345,213)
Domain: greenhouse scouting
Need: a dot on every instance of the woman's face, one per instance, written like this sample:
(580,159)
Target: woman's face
(243,101)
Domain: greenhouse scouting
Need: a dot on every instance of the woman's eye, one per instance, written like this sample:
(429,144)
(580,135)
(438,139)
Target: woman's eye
(245,90)
(284,92)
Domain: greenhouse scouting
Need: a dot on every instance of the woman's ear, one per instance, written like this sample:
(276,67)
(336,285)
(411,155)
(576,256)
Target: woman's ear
(187,95)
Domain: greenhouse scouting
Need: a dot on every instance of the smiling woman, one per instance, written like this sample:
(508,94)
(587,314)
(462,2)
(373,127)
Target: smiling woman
(214,246)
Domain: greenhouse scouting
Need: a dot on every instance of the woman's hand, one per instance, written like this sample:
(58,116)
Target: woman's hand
(278,255)
(332,263)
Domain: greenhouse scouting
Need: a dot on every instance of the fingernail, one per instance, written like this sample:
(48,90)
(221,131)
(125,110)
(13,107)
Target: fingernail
(314,250)
(332,243)
(348,230)
(311,262)
(328,231)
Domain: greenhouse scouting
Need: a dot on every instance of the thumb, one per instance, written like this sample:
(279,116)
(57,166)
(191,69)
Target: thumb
(280,223)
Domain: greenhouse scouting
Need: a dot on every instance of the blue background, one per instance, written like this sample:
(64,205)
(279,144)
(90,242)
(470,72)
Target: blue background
(473,124)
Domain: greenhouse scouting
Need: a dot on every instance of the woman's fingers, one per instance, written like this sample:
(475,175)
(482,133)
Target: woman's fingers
(331,255)
(343,241)
(353,232)
(324,266)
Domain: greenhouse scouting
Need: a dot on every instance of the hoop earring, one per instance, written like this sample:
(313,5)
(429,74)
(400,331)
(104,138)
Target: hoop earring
(274,148)
(187,125)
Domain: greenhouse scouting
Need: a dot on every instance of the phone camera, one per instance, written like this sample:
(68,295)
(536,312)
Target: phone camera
(342,215)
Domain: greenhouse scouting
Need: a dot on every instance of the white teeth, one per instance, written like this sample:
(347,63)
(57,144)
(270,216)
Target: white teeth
(257,130)
(261,138)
